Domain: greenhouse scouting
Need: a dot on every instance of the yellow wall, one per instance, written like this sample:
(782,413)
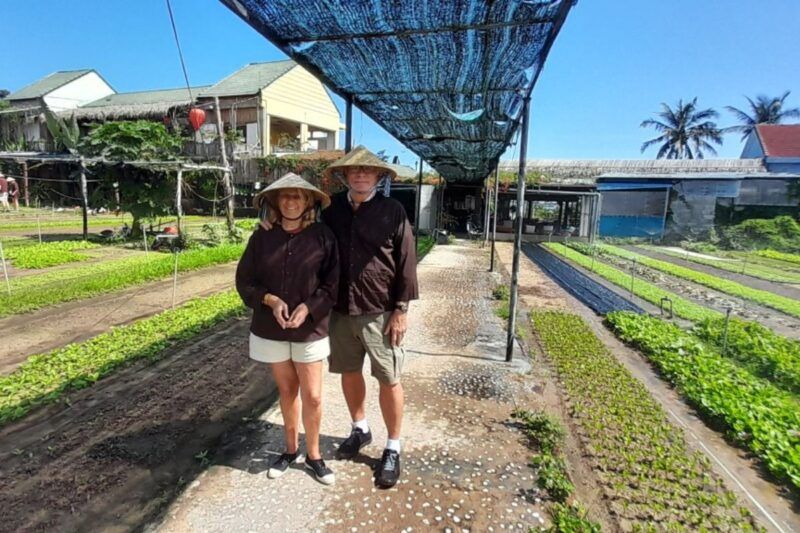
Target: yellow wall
(299,96)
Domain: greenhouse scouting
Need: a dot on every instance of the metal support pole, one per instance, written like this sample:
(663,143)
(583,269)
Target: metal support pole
(348,132)
(725,332)
(144,239)
(633,275)
(5,270)
(418,207)
(84,200)
(39,228)
(512,304)
(494,214)
(487,197)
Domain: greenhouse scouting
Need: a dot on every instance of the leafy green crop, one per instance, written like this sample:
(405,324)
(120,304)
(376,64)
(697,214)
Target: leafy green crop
(757,414)
(789,306)
(571,519)
(758,349)
(45,378)
(780,256)
(34,292)
(643,289)
(739,267)
(48,254)
(648,475)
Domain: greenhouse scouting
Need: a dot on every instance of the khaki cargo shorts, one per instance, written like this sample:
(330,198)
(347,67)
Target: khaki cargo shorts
(353,337)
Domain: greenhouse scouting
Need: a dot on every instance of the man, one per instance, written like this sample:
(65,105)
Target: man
(378,279)
(4,191)
(13,193)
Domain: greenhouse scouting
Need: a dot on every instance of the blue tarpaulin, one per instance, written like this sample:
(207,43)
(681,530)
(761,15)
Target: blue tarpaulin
(446,78)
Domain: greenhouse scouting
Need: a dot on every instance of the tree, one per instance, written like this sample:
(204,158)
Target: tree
(686,132)
(143,192)
(764,110)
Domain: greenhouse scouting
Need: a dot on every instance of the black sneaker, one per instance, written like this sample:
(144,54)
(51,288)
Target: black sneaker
(322,473)
(389,469)
(353,444)
(281,465)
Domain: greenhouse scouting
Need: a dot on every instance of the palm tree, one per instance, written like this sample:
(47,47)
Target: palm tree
(764,110)
(685,131)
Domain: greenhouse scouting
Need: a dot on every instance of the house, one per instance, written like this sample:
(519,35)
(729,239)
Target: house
(275,107)
(23,124)
(777,144)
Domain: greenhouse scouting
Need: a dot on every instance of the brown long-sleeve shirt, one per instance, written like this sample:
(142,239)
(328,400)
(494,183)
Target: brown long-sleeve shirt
(298,268)
(378,262)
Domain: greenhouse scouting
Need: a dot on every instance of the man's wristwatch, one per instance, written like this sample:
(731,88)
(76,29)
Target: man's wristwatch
(401,306)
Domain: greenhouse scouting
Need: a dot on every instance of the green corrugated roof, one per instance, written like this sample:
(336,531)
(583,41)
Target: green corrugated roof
(177,96)
(250,79)
(47,84)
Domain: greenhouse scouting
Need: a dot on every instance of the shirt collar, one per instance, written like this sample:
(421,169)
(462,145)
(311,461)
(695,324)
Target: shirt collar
(370,197)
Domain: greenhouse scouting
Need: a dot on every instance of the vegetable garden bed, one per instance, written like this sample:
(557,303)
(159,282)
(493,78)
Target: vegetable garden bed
(47,377)
(650,478)
(757,415)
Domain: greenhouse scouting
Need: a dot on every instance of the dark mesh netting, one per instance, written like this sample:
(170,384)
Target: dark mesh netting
(446,78)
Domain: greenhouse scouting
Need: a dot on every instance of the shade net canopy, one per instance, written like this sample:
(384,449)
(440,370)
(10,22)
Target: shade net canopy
(447,78)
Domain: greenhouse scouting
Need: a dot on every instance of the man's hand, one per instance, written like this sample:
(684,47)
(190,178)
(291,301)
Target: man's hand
(396,328)
(279,310)
(265,224)
(298,317)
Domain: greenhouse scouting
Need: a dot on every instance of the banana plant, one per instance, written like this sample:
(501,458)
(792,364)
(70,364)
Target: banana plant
(64,131)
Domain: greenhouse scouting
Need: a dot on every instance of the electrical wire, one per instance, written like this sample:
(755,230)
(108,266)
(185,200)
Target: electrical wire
(180,52)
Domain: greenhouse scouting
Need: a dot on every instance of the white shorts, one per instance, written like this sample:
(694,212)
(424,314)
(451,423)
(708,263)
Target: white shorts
(269,351)
(4,197)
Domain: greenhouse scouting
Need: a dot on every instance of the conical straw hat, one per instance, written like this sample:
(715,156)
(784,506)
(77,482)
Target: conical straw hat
(358,157)
(289,181)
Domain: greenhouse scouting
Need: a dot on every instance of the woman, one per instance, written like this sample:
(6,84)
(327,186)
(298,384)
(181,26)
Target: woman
(289,276)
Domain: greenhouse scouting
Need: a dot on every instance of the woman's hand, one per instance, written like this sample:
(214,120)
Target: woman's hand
(298,317)
(279,310)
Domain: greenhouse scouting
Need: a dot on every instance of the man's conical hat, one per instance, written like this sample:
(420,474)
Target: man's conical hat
(358,157)
(289,181)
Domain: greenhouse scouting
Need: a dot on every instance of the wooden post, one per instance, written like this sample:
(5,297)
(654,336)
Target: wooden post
(84,200)
(25,184)
(226,175)
(5,270)
(512,303)
(179,199)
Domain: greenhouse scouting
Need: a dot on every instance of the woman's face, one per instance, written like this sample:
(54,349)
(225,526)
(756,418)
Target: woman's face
(292,203)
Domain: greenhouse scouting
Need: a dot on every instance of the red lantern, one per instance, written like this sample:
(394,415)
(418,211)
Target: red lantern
(196,117)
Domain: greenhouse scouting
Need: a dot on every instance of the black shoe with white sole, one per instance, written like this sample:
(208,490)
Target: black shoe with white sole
(353,444)
(389,469)
(321,473)
(281,465)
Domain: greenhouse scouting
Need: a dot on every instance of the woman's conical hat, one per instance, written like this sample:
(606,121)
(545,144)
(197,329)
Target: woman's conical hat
(289,181)
(358,157)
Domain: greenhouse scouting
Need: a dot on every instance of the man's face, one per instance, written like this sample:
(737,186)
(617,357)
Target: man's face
(362,179)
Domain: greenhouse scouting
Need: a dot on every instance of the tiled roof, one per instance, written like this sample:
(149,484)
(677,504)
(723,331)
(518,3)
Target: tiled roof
(250,79)
(48,84)
(779,140)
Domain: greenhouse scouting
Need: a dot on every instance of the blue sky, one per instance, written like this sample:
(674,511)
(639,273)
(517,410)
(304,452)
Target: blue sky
(614,62)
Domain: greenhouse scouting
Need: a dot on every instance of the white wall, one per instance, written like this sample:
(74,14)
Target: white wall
(87,88)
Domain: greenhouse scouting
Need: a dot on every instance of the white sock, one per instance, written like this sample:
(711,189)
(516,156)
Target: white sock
(362,425)
(393,444)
